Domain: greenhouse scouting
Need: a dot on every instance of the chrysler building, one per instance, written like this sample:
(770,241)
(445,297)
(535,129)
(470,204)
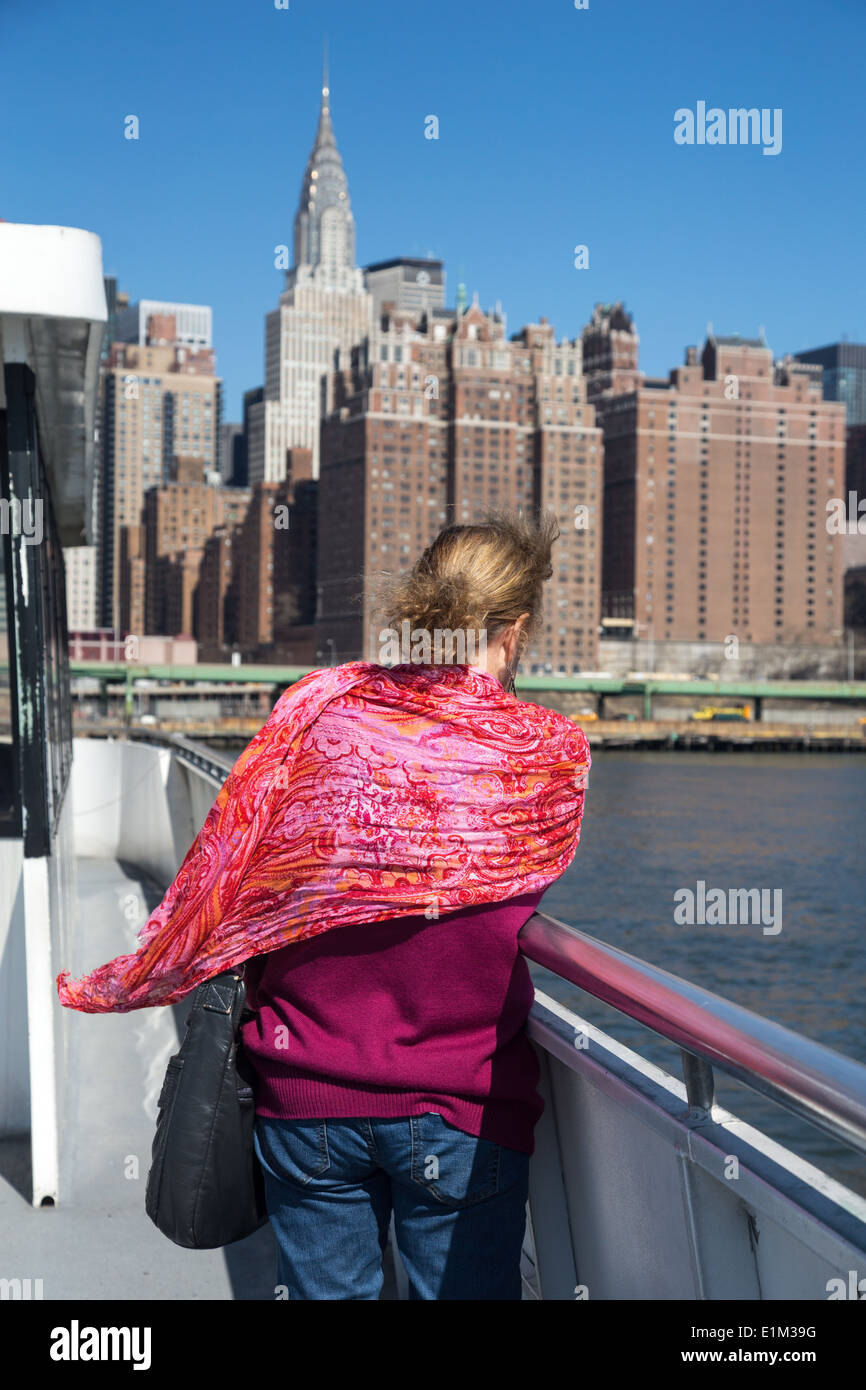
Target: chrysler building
(323,311)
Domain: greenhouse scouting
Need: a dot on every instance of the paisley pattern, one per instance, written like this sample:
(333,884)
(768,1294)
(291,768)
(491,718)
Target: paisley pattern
(368,794)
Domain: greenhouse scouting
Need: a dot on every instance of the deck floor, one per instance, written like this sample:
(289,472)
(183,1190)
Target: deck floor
(98,1243)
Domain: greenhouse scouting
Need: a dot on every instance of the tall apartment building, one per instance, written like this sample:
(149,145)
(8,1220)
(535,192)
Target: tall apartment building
(715,487)
(132,580)
(116,301)
(217,595)
(855,468)
(175,578)
(253,556)
(610,352)
(82,561)
(80,565)
(406,285)
(844,366)
(178,518)
(322,313)
(161,400)
(853,543)
(253,431)
(294,556)
(192,325)
(233,468)
(440,418)
(272,597)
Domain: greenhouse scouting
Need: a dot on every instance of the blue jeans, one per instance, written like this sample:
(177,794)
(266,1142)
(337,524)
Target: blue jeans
(459,1207)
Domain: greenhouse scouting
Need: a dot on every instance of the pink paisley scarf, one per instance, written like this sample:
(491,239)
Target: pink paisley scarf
(368,794)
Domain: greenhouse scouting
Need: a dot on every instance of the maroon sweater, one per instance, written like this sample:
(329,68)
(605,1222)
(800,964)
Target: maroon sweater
(395,1018)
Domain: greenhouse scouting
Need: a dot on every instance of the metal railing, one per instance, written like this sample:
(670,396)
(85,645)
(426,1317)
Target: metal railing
(812,1081)
(187,751)
(199,756)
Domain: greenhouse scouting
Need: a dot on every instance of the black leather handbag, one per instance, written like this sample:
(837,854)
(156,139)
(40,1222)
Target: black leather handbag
(205,1185)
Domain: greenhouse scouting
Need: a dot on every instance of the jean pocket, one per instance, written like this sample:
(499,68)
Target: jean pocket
(457,1169)
(292,1150)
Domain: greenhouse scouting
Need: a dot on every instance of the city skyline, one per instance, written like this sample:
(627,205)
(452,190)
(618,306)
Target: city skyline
(324,319)
(505,193)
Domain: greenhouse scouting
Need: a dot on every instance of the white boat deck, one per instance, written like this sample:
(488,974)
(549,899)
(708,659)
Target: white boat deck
(98,1243)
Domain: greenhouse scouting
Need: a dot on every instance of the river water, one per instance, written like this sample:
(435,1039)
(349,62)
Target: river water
(658,823)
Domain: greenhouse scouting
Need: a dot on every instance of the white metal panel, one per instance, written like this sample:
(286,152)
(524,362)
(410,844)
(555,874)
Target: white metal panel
(145,830)
(555,1274)
(121,806)
(95,787)
(656,1208)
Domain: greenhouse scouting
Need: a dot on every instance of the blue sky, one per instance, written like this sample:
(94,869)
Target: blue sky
(556,128)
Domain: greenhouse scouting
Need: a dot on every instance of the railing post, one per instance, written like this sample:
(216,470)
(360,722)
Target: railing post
(700,1082)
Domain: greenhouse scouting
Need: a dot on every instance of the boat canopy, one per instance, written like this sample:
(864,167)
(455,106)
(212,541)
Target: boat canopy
(52,318)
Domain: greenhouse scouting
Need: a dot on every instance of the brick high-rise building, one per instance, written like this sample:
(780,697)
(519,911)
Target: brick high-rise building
(441,418)
(273,567)
(610,352)
(176,577)
(178,518)
(217,595)
(714,501)
(295,566)
(254,563)
(161,399)
(132,580)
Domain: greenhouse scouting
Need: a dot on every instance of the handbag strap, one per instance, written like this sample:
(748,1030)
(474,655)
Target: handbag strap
(224,994)
(219,996)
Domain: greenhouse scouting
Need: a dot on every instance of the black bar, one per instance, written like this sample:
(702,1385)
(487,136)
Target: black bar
(10,822)
(27,635)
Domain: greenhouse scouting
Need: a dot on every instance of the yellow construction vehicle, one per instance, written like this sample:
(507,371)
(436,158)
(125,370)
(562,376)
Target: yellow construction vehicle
(723,712)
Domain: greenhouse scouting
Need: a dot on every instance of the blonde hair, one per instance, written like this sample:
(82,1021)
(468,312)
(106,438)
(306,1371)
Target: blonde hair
(477,577)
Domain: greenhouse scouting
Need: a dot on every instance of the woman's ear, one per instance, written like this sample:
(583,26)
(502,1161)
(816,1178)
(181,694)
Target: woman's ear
(514,639)
(520,635)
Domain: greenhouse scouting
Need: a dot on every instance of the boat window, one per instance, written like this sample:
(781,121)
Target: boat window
(8,797)
(9,801)
(58,698)
(39,756)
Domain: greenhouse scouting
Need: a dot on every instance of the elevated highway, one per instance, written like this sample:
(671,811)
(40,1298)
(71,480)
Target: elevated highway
(646,687)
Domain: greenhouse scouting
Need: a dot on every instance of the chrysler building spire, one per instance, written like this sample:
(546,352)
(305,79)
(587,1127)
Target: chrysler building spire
(324,311)
(324,226)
